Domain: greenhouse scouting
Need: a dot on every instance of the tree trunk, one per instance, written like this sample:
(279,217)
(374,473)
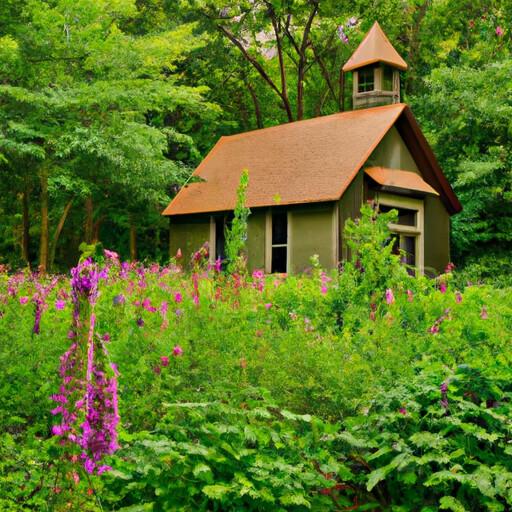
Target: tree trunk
(282,65)
(96,230)
(342,90)
(256,103)
(89,221)
(133,241)
(25,233)
(58,231)
(43,241)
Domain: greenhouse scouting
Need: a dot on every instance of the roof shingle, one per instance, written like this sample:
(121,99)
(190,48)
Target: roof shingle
(302,162)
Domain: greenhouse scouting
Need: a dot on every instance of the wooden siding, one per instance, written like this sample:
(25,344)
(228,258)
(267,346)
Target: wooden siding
(437,236)
(350,208)
(311,232)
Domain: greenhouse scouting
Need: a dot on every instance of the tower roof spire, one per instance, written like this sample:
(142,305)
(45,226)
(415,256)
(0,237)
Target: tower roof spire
(375,47)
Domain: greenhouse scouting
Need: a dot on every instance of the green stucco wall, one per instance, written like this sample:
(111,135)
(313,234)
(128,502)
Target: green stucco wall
(311,233)
(256,240)
(189,234)
(393,153)
(437,236)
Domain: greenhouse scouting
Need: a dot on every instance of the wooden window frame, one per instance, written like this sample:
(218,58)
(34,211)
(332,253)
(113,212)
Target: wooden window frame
(418,231)
(268,241)
(373,82)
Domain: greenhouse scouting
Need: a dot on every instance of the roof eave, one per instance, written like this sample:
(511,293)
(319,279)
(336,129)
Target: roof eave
(421,150)
(350,67)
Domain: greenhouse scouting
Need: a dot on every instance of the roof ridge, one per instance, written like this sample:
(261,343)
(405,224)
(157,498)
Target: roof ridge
(313,119)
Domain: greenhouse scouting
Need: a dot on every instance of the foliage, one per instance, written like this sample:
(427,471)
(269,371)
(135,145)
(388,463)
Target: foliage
(210,364)
(434,443)
(471,109)
(207,456)
(236,233)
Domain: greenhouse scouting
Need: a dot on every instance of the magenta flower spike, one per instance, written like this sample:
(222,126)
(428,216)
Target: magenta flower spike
(88,407)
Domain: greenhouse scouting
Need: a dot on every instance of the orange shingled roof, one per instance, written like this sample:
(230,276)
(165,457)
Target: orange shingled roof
(400,179)
(375,47)
(302,162)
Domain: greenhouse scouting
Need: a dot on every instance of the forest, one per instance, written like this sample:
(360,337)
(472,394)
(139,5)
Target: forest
(107,107)
(136,380)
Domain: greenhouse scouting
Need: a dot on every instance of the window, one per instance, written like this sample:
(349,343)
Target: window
(405,217)
(387,78)
(366,79)
(407,231)
(220,238)
(218,226)
(277,241)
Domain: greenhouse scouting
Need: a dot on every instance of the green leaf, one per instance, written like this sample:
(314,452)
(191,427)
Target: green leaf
(295,499)
(450,503)
(217,491)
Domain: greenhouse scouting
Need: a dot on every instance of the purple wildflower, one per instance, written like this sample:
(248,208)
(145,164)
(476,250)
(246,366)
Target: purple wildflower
(341,34)
(177,351)
(178,297)
(118,299)
(88,407)
(60,304)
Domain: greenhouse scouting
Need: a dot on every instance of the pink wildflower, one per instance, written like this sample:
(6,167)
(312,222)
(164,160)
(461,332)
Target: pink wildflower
(323,289)
(178,297)
(177,351)
(60,304)
(458,297)
(164,360)
(390,298)
(434,329)
(410,296)
(196,300)
(449,268)
(111,255)
(483,313)
(268,305)
(402,411)
(23,300)
(499,31)
(146,304)
(442,287)
(157,370)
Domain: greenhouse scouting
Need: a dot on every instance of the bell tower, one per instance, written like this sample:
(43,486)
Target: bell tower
(376,67)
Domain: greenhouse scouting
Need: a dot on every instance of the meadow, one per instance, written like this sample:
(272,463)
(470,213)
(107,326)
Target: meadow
(365,388)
